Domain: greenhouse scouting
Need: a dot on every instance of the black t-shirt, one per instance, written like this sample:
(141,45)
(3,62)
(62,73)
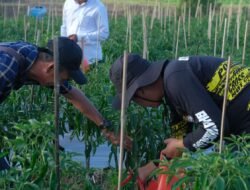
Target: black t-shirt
(195,87)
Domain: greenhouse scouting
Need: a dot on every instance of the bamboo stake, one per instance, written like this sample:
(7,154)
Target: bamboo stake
(15,15)
(114,8)
(52,21)
(213,12)
(174,33)
(36,25)
(215,35)
(56,15)
(56,109)
(42,25)
(200,13)
(189,21)
(116,13)
(4,15)
(48,24)
(25,28)
(184,11)
(165,12)
(153,16)
(125,12)
(238,25)
(224,37)
(123,116)
(245,41)
(169,20)
(158,8)
(144,28)
(161,17)
(197,8)
(230,11)
(18,8)
(220,20)
(224,106)
(1,7)
(37,38)
(130,33)
(209,28)
(184,32)
(177,39)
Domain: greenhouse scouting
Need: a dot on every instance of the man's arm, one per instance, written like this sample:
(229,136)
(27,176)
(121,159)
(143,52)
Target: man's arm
(190,97)
(82,103)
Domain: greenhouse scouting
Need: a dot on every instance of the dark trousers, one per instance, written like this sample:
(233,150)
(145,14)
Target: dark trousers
(4,165)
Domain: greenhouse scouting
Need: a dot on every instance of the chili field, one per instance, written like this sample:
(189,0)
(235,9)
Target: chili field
(155,31)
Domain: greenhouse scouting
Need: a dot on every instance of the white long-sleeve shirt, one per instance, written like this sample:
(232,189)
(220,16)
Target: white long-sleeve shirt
(89,21)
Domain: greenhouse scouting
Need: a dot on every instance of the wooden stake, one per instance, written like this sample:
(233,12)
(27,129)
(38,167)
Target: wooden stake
(25,28)
(184,32)
(174,33)
(4,15)
(189,21)
(144,28)
(230,11)
(48,24)
(123,116)
(18,8)
(238,25)
(215,35)
(224,37)
(130,33)
(245,41)
(224,106)
(177,39)
(209,28)
(197,8)
(36,26)
(52,21)
(153,16)
(56,109)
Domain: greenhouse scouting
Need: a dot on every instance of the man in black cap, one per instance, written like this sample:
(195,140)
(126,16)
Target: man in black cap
(193,88)
(24,63)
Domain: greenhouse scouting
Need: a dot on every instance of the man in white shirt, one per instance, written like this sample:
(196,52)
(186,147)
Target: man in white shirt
(86,21)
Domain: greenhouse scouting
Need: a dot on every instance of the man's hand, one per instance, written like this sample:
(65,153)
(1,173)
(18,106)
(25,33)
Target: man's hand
(173,148)
(115,139)
(73,37)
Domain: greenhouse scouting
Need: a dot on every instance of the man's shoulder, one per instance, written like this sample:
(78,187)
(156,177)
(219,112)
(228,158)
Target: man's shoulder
(176,65)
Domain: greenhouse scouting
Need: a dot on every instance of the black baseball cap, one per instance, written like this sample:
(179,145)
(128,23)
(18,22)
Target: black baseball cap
(140,73)
(70,58)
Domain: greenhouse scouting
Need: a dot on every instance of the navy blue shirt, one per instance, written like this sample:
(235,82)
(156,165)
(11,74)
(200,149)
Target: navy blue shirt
(194,88)
(13,74)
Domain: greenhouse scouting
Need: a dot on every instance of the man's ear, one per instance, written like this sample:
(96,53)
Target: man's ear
(49,67)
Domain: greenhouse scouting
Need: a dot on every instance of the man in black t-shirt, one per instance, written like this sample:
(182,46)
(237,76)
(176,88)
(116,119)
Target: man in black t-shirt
(193,88)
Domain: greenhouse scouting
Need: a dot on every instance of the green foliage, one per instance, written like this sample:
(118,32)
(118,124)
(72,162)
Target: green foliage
(31,153)
(194,3)
(229,170)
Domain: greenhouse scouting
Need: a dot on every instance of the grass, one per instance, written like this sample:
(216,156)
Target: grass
(150,2)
